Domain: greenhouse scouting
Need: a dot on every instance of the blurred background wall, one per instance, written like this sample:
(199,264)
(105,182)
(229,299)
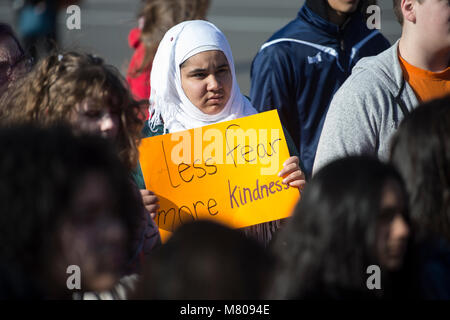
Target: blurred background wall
(246,23)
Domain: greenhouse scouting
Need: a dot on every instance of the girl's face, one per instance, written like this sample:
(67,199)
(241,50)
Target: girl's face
(94,236)
(89,118)
(207,81)
(343,6)
(392,230)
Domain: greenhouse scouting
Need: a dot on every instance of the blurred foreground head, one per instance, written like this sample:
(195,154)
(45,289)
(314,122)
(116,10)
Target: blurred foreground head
(64,200)
(205,260)
(421,152)
(352,214)
(14,63)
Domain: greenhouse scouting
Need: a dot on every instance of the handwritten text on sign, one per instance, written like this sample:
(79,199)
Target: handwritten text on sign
(226,172)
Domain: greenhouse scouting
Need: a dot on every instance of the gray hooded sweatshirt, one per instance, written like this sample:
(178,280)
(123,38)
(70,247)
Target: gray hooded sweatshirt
(366,110)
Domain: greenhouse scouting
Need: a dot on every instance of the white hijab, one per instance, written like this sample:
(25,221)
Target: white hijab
(168,102)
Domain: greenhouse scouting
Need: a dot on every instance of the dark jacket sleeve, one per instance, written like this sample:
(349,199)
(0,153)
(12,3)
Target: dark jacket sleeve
(293,151)
(272,80)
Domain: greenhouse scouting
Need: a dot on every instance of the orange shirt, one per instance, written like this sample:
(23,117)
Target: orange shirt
(427,85)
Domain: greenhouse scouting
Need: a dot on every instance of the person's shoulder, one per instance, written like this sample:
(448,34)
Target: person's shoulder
(370,86)
(369,42)
(363,35)
(298,28)
(276,53)
(293,28)
(362,81)
(373,71)
(370,37)
(291,42)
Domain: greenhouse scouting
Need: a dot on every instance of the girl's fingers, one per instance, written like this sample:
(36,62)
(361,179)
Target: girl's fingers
(288,169)
(299,184)
(145,192)
(297,175)
(293,159)
(152,209)
(148,200)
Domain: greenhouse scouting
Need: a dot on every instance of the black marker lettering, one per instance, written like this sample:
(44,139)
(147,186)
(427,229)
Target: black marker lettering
(230,152)
(195,207)
(212,206)
(182,170)
(200,168)
(243,153)
(180,211)
(167,166)
(273,144)
(211,166)
(257,150)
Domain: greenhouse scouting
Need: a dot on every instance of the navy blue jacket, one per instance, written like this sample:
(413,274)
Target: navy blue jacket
(301,66)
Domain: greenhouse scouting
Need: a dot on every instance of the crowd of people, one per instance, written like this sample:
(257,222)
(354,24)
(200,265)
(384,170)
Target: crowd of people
(367,126)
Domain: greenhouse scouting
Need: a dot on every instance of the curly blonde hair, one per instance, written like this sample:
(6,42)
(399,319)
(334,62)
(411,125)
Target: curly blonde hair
(161,15)
(59,83)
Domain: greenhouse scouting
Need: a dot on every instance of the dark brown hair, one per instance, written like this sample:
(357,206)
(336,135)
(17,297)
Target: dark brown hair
(421,151)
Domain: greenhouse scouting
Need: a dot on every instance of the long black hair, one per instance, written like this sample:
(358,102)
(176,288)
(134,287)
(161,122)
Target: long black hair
(325,249)
(421,152)
(40,171)
(206,260)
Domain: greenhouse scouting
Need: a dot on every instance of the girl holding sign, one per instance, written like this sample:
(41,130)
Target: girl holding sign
(194,85)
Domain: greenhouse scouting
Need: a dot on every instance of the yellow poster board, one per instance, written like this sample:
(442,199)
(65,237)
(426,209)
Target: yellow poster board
(227,172)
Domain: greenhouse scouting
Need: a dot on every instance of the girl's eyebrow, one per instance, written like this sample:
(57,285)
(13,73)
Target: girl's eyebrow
(225,65)
(197,70)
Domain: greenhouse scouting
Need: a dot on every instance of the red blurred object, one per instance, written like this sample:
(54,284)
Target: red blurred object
(139,84)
